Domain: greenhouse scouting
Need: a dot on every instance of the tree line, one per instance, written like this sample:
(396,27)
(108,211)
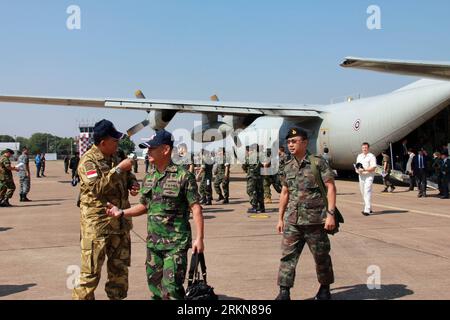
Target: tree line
(48,143)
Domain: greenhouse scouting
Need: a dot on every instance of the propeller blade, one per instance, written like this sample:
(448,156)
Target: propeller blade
(135,129)
(139,94)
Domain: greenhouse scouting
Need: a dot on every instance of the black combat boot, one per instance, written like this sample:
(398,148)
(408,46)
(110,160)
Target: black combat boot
(220,197)
(25,199)
(1,203)
(323,293)
(203,200)
(6,203)
(225,201)
(252,210)
(21,197)
(284,294)
(208,202)
(261,208)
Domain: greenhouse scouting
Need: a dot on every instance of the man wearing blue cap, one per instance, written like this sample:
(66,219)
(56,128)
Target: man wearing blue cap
(168,194)
(104,179)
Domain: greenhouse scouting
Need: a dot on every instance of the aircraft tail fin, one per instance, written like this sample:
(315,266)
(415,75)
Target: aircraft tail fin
(432,70)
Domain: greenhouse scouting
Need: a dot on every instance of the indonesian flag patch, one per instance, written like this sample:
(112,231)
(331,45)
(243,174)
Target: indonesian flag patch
(91,174)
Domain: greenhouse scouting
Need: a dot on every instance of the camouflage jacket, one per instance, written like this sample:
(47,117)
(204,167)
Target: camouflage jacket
(306,205)
(282,162)
(100,184)
(5,169)
(387,159)
(222,162)
(23,171)
(168,197)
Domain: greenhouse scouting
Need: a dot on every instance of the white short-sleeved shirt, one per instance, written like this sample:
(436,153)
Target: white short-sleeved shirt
(368,161)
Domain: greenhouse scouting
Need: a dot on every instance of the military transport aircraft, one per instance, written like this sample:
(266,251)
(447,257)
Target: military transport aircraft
(341,127)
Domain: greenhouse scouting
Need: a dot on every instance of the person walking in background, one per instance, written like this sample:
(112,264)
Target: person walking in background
(66,164)
(409,171)
(37,161)
(43,165)
(419,170)
(387,172)
(365,168)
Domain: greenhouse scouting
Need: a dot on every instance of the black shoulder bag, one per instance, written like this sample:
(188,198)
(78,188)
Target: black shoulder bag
(337,214)
(198,289)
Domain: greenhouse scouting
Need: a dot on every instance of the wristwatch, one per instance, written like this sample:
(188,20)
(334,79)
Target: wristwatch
(331,212)
(118,170)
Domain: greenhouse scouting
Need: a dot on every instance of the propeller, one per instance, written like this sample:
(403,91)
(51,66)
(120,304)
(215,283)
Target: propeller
(141,125)
(236,140)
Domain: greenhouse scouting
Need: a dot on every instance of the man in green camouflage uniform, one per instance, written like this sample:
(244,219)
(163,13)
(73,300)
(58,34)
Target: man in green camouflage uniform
(7,186)
(307,219)
(168,192)
(104,179)
(255,189)
(206,178)
(222,177)
(387,172)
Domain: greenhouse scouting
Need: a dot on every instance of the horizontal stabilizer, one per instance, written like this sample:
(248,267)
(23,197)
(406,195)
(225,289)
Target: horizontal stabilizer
(423,69)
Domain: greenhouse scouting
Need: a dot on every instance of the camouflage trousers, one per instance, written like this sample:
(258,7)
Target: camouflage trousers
(387,181)
(166,271)
(205,188)
(255,191)
(219,180)
(267,182)
(24,185)
(7,188)
(294,239)
(117,247)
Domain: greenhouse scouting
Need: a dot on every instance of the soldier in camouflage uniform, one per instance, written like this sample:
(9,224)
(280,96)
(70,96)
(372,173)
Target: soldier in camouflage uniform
(104,179)
(304,217)
(182,157)
(255,189)
(168,192)
(24,175)
(206,178)
(7,186)
(222,176)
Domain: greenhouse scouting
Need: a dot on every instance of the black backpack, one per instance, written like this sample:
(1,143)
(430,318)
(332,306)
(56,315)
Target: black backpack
(198,289)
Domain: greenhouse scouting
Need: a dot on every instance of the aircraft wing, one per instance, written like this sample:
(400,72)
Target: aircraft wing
(434,70)
(218,107)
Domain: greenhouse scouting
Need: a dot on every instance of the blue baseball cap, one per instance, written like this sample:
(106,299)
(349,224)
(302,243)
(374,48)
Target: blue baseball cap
(161,137)
(105,128)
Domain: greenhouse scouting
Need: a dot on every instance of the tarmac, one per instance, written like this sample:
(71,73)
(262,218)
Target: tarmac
(402,251)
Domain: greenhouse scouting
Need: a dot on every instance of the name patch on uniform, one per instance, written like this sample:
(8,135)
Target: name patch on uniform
(171,188)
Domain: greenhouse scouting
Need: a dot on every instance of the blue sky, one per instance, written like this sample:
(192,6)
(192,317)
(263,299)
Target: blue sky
(255,50)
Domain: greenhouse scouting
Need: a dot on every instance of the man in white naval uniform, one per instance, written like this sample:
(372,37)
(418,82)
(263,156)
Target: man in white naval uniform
(366,176)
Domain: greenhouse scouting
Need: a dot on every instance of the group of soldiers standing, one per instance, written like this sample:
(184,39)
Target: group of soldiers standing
(212,170)
(261,175)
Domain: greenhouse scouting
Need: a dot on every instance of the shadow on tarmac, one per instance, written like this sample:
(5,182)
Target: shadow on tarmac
(224,297)
(379,213)
(361,292)
(2,229)
(6,290)
(40,205)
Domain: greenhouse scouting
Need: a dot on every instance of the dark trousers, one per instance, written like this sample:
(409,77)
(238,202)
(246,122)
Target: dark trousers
(444,186)
(421,178)
(38,171)
(412,182)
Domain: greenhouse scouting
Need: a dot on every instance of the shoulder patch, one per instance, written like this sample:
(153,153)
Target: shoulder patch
(91,171)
